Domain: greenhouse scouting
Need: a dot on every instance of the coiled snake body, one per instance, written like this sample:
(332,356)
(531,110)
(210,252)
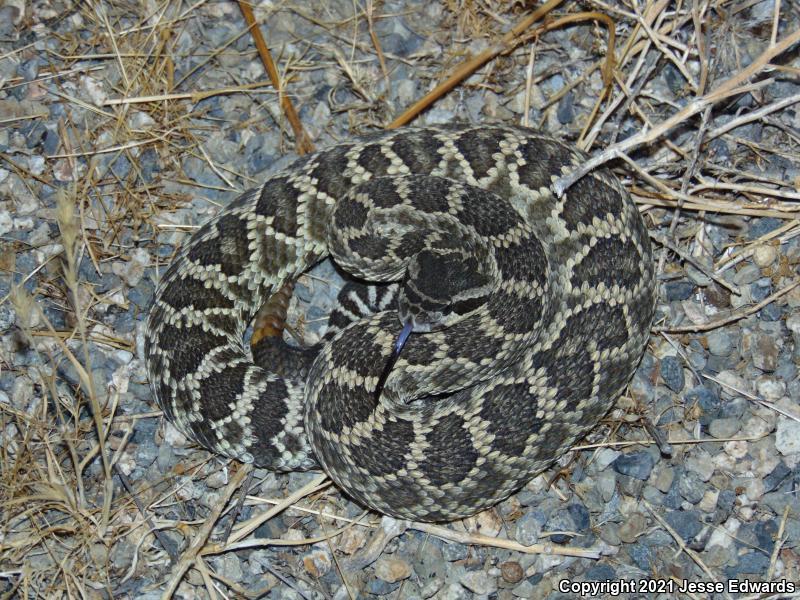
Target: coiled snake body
(551,305)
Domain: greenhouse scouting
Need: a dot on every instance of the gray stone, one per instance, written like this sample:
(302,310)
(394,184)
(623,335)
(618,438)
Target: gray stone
(701,464)
(652,495)
(747,274)
(778,475)
(664,479)
(636,464)
(566,108)
(734,408)
(609,533)
(719,342)
(379,587)
(454,552)
(632,528)
(778,500)
(686,523)
(678,290)
(760,289)
(697,276)
(691,487)
(725,502)
(580,516)
(606,484)
(523,590)
(707,399)
(752,563)
(724,428)
(479,582)
(454,591)
(764,225)
(787,436)
(562,522)
(672,373)
(630,486)
(765,352)
(529,528)
(770,388)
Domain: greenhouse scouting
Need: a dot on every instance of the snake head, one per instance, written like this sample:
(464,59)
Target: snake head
(441,287)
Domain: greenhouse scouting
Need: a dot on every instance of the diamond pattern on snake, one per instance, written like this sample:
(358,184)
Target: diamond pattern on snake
(524,316)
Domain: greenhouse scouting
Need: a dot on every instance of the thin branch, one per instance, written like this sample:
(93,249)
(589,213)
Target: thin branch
(730,87)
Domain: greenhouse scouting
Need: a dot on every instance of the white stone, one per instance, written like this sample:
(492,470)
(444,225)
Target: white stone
(793,322)
(140,120)
(94,90)
(6,223)
(764,255)
(787,437)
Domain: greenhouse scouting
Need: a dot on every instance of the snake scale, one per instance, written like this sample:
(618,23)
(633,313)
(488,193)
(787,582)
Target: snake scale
(531,313)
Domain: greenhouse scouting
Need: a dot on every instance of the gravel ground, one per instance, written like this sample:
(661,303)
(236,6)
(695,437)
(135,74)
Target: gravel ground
(719,380)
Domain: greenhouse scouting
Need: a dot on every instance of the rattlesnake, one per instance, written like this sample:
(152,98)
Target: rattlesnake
(554,316)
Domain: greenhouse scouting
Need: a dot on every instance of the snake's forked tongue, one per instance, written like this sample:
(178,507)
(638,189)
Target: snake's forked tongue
(398,347)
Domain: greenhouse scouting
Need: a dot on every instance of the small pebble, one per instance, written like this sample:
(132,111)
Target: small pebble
(512,571)
(633,526)
(524,590)
(719,342)
(760,289)
(765,352)
(724,428)
(636,464)
(529,528)
(771,313)
(708,502)
(770,388)
(764,255)
(606,484)
(672,373)
(678,290)
(664,479)
(351,540)
(747,274)
(697,276)
(700,463)
(787,436)
(752,563)
(317,562)
(686,523)
(691,487)
(562,523)
(392,569)
(454,552)
(609,533)
(566,108)
(604,457)
(762,226)
(793,323)
(776,477)
(94,90)
(641,556)
(479,582)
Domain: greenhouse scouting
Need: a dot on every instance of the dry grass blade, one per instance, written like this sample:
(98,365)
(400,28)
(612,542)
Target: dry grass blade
(483,540)
(302,141)
(731,87)
(467,68)
(683,547)
(190,555)
(735,316)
